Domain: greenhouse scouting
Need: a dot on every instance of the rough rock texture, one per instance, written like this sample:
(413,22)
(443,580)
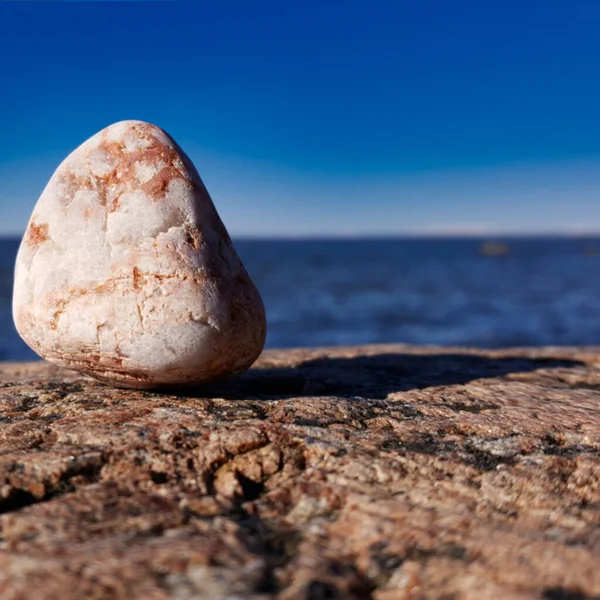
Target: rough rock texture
(127,273)
(386,472)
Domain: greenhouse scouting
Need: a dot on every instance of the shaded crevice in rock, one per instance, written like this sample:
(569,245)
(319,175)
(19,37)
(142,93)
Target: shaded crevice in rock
(85,469)
(559,593)
(18,499)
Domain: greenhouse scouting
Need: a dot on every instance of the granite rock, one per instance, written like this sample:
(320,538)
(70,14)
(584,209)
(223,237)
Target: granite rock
(387,472)
(127,273)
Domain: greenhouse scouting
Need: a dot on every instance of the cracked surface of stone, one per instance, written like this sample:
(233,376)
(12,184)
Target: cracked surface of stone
(127,273)
(384,472)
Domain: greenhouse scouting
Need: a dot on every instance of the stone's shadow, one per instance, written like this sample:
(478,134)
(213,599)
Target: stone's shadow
(373,376)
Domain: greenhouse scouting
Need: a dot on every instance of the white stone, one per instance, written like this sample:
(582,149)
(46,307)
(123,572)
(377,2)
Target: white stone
(127,273)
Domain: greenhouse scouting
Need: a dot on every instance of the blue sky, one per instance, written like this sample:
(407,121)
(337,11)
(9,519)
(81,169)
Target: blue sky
(323,117)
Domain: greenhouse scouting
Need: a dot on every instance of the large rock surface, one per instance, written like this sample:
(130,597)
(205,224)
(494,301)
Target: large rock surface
(386,472)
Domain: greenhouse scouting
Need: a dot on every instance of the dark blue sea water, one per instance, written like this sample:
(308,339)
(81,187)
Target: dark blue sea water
(423,291)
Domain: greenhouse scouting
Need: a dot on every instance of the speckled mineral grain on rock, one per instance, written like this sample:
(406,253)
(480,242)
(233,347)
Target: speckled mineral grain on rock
(127,273)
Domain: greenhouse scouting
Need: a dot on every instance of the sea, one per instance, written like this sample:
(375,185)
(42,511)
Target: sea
(468,292)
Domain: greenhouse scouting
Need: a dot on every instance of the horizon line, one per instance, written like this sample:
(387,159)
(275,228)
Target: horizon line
(480,236)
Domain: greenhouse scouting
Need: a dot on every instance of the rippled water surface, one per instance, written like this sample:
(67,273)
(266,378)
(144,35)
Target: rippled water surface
(544,291)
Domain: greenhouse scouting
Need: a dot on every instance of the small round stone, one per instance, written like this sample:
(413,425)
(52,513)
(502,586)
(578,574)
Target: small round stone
(127,273)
